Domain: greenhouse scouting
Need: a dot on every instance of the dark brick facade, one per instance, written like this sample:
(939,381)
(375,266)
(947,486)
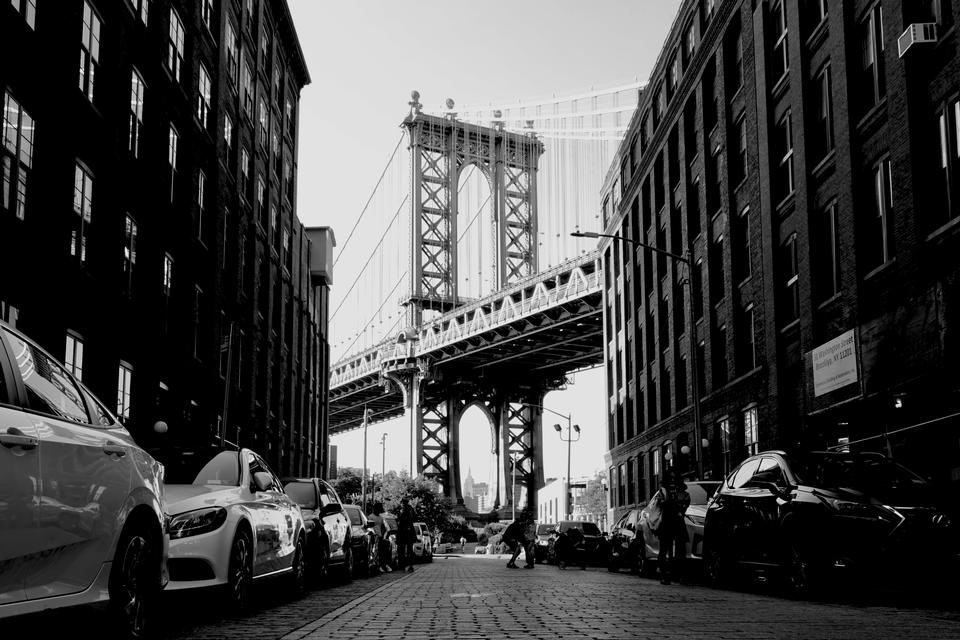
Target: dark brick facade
(793,247)
(210,261)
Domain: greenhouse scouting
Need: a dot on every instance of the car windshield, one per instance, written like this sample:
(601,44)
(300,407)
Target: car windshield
(354,514)
(587,528)
(302,493)
(872,475)
(199,468)
(544,529)
(700,492)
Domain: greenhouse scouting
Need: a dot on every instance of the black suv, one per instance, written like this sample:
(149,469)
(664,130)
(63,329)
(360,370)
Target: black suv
(806,514)
(594,545)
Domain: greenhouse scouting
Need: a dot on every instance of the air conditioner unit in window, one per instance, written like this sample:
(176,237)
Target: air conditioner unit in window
(915,34)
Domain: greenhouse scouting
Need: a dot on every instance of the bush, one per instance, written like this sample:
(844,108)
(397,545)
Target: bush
(494,528)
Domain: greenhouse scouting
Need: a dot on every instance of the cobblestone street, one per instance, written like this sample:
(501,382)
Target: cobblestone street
(478,597)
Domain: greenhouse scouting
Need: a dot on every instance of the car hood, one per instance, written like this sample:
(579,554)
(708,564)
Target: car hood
(187,497)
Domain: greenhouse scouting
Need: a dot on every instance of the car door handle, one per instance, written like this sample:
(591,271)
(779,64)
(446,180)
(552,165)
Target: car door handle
(112,449)
(14,438)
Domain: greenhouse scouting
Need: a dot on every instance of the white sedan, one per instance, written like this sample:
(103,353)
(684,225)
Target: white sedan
(230,524)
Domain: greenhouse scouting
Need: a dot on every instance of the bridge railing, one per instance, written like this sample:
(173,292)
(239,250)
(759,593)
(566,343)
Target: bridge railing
(567,281)
(359,365)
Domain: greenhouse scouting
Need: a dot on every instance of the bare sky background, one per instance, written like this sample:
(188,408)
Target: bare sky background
(365,57)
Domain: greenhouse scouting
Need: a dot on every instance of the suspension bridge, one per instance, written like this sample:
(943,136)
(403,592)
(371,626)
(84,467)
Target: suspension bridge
(468,289)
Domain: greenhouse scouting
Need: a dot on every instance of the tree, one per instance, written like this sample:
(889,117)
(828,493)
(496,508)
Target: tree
(594,498)
(429,504)
(348,484)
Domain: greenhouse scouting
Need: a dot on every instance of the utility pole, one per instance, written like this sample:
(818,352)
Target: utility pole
(363,480)
(383,462)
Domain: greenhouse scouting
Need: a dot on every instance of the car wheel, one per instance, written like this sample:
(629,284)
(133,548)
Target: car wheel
(716,567)
(298,571)
(240,573)
(613,564)
(134,580)
(319,569)
(799,572)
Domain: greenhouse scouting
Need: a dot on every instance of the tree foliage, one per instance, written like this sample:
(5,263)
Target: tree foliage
(348,484)
(594,498)
(428,502)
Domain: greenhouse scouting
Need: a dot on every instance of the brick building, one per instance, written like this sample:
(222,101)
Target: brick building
(812,173)
(148,227)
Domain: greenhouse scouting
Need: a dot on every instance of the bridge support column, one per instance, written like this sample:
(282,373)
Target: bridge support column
(521,426)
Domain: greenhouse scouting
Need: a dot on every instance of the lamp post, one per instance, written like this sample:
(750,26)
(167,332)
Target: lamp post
(685,259)
(569,439)
(383,462)
(363,480)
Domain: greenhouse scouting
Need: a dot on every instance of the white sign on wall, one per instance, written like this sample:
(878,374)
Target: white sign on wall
(835,363)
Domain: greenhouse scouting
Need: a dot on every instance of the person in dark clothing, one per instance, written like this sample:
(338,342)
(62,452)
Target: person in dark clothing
(569,549)
(520,536)
(406,535)
(672,531)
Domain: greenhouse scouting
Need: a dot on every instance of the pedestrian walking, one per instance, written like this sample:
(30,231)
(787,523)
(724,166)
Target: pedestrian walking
(569,548)
(672,531)
(463,541)
(380,528)
(519,536)
(406,535)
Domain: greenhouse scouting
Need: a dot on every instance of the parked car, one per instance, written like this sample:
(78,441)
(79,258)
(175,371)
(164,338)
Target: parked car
(81,505)
(365,543)
(423,546)
(545,536)
(632,544)
(806,515)
(594,545)
(327,526)
(231,523)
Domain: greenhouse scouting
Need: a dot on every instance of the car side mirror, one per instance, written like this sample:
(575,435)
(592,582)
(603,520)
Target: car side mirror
(330,509)
(262,481)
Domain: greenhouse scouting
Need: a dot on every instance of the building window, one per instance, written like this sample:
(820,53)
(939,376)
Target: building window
(124,382)
(175,45)
(708,10)
(741,247)
(286,249)
(74,355)
(172,146)
(287,179)
(277,85)
(631,482)
(726,444)
(780,63)
(828,252)
(206,13)
(275,149)
(880,236)
(813,12)
(739,169)
(717,291)
(129,252)
(141,8)
(873,81)
(791,279)
(735,58)
(290,117)
(136,112)
(719,351)
(244,173)
(263,122)
(16,156)
(823,129)
(89,50)
(228,135)
(242,260)
(167,274)
(203,96)
(28,9)
(201,200)
(698,289)
(751,436)
(949,130)
(690,41)
(197,319)
(264,49)
(261,202)
(233,65)
(82,207)
(246,87)
(746,349)
(783,182)
(673,77)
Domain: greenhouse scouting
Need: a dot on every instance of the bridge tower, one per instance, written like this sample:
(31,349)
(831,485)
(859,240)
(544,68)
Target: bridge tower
(440,149)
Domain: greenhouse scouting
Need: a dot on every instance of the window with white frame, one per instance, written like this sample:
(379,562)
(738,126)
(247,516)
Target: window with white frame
(244,173)
(82,208)
(124,383)
(791,279)
(828,254)
(137,89)
(167,274)
(948,119)
(823,94)
(780,62)
(89,50)
(751,436)
(206,13)
(263,119)
(290,117)
(203,96)
(16,156)
(873,79)
(261,201)
(690,41)
(233,58)
(74,355)
(197,319)
(28,9)
(784,179)
(173,143)
(228,135)
(201,201)
(175,45)
(142,9)
(129,252)
(726,443)
(246,87)
(880,234)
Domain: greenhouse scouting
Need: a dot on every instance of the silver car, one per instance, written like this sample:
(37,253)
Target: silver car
(81,516)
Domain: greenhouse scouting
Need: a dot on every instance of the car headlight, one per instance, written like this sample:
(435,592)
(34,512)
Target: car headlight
(862,510)
(193,523)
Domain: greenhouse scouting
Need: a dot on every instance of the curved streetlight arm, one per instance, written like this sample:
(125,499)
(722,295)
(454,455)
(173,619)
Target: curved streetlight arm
(593,234)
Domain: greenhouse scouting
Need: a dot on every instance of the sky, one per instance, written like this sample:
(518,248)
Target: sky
(364,58)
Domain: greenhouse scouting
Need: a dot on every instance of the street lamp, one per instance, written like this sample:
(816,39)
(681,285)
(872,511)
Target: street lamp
(685,259)
(569,439)
(363,480)
(383,462)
